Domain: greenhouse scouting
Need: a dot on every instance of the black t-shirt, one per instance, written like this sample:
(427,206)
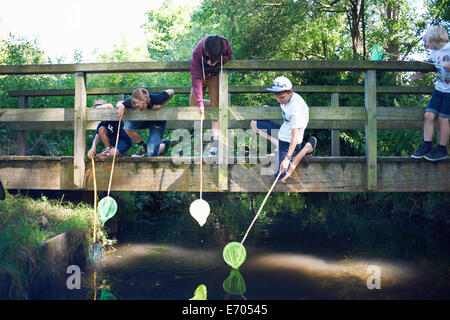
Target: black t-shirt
(111,130)
(155,98)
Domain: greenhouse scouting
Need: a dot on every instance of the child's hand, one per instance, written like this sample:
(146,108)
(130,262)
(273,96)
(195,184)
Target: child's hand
(201,110)
(156,106)
(91,153)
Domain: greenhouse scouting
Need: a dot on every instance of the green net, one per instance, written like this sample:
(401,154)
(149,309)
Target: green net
(106,295)
(107,208)
(200,293)
(235,283)
(234,254)
(376,53)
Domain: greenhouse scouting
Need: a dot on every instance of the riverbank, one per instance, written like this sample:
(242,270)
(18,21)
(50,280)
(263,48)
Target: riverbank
(25,224)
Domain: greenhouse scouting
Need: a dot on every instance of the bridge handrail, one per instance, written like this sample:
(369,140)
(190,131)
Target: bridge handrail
(234,65)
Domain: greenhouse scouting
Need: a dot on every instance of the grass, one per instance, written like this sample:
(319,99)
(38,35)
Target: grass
(25,224)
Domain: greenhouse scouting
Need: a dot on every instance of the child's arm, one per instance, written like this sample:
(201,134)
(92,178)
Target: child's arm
(91,152)
(121,109)
(170,92)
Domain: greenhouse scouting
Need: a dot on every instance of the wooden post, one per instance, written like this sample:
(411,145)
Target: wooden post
(223,131)
(79,137)
(370,97)
(335,148)
(21,135)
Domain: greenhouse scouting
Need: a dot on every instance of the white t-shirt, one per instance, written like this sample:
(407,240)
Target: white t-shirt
(442,57)
(295,115)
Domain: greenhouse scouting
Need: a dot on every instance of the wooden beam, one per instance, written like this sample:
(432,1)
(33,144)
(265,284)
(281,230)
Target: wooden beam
(21,135)
(335,144)
(370,97)
(234,65)
(232,89)
(223,131)
(319,174)
(79,124)
(239,117)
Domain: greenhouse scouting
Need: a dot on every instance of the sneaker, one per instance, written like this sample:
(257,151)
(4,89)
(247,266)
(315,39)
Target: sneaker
(142,151)
(214,148)
(422,151)
(167,144)
(105,153)
(437,154)
(313,142)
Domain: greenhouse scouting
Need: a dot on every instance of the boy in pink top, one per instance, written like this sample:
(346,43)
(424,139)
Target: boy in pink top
(210,51)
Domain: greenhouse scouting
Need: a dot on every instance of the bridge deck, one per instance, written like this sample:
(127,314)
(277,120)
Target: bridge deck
(320,174)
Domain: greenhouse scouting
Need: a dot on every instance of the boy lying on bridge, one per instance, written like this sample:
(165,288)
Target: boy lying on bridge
(290,136)
(142,100)
(107,133)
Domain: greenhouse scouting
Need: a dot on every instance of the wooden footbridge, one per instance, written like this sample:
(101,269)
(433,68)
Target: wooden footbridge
(230,173)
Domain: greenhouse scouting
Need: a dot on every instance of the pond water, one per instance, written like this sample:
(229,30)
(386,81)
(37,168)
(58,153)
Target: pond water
(290,256)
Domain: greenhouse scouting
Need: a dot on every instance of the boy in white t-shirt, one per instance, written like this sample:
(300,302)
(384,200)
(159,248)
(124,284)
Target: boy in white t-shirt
(436,39)
(290,136)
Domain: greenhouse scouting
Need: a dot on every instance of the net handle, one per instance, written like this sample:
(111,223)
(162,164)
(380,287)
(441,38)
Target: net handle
(260,208)
(201,155)
(114,156)
(95,202)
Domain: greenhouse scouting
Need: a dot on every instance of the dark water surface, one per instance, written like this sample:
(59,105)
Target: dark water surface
(290,256)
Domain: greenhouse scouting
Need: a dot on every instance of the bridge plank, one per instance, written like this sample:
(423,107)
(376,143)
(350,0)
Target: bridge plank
(321,174)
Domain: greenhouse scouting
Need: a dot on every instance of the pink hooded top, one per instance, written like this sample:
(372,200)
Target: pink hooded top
(198,65)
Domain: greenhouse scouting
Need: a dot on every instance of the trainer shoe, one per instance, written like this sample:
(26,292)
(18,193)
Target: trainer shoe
(105,153)
(313,142)
(142,151)
(439,153)
(424,149)
(167,144)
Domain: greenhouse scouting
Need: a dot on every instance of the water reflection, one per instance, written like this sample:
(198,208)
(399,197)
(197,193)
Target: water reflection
(235,284)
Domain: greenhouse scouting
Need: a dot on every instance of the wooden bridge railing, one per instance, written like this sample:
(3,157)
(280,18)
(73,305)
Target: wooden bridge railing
(80,118)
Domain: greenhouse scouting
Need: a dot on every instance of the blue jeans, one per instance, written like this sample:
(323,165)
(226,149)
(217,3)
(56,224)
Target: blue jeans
(283,146)
(156,132)
(439,104)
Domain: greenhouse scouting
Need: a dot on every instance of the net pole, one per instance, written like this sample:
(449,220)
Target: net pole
(114,156)
(201,156)
(260,208)
(95,202)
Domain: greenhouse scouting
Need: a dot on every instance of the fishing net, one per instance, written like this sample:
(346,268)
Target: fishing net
(376,54)
(199,210)
(234,254)
(107,208)
(235,283)
(200,293)
(106,295)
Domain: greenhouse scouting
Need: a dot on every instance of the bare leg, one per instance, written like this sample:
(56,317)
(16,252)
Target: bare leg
(134,135)
(444,131)
(262,133)
(298,157)
(428,126)
(104,137)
